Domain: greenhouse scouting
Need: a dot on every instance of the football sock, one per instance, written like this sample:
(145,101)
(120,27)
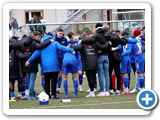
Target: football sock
(75,82)
(80,79)
(141,81)
(126,81)
(12,94)
(65,86)
(25,83)
(43,83)
(22,94)
(59,81)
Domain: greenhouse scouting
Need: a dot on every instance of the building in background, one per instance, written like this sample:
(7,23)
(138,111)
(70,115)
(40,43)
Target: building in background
(61,15)
(23,17)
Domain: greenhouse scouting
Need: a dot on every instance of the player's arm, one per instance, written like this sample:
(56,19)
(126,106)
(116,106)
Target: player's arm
(35,55)
(76,47)
(131,41)
(87,40)
(117,48)
(63,48)
(105,46)
(128,51)
(42,45)
(22,56)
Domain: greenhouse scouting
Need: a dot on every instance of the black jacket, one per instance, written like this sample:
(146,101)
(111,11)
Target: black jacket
(101,37)
(115,55)
(90,55)
(15,62)
(28,47)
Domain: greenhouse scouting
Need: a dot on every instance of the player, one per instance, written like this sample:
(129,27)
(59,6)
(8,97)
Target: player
(59,37)
(139,58)
(72,40)
(70,66)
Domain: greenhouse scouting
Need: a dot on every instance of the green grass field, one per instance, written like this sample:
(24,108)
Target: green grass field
(107,102)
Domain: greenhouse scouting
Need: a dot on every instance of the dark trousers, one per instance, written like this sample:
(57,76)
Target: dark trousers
(114,64)
(133,67)
(51,77)
(91,77)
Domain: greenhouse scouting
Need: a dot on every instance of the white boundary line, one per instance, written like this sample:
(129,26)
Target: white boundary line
(65,106)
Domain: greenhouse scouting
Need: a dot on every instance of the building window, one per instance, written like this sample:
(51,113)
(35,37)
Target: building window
(30,13)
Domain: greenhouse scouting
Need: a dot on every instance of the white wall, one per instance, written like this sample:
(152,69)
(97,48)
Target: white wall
(54,16)
(19,15)
(93,15)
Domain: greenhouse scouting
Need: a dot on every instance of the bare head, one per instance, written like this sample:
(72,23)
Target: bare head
(60,32)
(71,36)
(37,35)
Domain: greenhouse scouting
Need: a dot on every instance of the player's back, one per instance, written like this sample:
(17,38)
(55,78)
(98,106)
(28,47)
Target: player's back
(69,57)
(77,54)
(137,47)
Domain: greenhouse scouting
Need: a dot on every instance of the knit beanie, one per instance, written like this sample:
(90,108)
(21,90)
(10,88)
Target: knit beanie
(98,25)
(136,32)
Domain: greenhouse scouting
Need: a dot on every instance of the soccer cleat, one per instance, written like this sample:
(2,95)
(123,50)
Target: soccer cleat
(117,92)
(111,92)
(125,93)
(80,89)
(96,90)
(107,93)
(26,92)
(55,97)
(59,91)
(13,98)
(141,89)
(76,96)
(90,95)
(19,95)
(101,94)
(24,98)
(88,90)
(66,97)
(134,91)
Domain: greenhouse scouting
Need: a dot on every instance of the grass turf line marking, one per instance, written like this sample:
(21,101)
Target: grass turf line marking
(82,105)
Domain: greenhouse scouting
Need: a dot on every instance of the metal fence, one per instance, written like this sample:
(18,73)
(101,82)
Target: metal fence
(77,27)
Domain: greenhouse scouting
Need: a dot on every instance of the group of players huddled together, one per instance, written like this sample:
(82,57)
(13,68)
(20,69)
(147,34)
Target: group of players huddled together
(107,53)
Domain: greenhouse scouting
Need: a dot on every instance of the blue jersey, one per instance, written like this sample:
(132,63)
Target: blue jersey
(126,50)
(62,41)
(125,65)
(137,47)
(139,58)
(78,55)
(131,41)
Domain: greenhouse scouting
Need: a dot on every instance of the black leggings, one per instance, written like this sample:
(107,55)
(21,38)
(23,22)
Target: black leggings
(53,77)
(114,64)
(91,77)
